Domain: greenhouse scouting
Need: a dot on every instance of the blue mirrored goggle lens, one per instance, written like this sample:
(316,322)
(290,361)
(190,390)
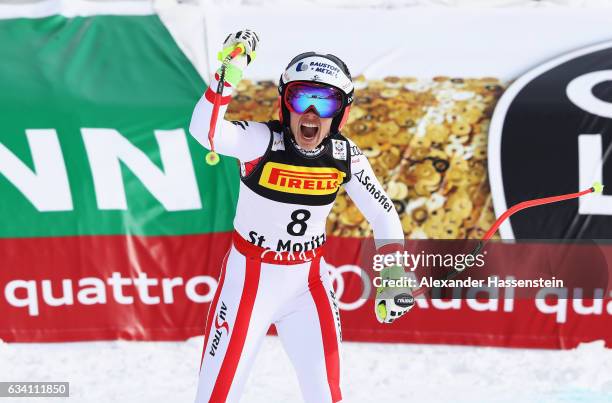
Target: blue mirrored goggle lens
(326,100)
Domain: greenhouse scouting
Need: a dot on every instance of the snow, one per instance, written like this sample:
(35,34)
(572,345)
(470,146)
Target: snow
(139,372)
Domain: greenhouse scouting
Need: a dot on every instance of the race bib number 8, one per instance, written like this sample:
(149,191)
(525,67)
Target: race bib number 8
(298,226)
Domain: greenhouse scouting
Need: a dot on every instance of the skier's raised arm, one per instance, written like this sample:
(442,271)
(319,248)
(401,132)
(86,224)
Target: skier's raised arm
(243,140)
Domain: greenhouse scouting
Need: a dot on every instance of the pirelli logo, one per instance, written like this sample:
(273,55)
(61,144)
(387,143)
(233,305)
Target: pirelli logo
(300,180)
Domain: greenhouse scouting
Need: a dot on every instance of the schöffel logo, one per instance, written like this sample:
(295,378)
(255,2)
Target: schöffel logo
(301,66)
(300,180)
(220,324)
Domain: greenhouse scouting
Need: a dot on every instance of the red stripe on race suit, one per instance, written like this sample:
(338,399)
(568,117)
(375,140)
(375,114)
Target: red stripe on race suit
(210,97)
(213,307)
(328,329)
(239,332)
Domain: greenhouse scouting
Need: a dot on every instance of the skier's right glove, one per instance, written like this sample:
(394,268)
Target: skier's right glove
(392,302)
(247,40)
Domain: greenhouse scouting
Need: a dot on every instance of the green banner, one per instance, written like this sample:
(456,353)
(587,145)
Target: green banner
(94,132)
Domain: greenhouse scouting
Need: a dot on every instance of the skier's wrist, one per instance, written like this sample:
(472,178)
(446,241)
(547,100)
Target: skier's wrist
(233,74)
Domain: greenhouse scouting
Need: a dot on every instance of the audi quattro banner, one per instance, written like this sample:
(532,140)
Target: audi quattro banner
(114,227)
(104,192)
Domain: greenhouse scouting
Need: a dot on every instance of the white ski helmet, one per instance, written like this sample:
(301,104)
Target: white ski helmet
(318,68)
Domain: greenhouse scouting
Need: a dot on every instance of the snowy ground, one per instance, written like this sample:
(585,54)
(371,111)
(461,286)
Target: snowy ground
(139,372)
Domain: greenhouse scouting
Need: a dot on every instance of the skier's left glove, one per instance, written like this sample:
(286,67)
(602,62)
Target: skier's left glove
(245,39)
(392,302)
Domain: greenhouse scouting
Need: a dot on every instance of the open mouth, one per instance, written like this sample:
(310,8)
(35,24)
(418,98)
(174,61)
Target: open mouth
(309,130)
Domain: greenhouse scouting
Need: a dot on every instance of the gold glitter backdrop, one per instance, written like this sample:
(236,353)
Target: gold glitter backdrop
(427,142)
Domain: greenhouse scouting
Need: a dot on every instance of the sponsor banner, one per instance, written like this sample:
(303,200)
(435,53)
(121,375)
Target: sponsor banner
(512,271)
(97,142)
(558,318)
(165,296)
(108,287)
(558,118)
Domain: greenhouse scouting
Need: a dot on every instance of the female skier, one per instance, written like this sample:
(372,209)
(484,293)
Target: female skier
(290,173)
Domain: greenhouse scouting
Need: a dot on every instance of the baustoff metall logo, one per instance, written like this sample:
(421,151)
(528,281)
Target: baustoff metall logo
(551,133)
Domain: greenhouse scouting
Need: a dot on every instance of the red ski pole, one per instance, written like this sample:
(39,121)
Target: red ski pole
(596,188)
(212,158)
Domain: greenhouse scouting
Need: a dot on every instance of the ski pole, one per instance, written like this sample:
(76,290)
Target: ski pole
(212,158)
(596,188)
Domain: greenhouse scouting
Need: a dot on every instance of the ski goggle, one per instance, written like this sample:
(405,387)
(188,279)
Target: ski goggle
(327,101)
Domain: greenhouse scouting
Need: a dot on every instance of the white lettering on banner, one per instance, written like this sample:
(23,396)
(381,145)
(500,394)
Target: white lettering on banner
(190,288)
(21,293)
(65,299)
(590,169)
(175,187)
(168,285)
(490,296)
(452,303)
(94,295)
(476,301)
(30,301)
(142,283)
(509,296)
(117,282)
(597,302)
(456,302)
(559,308)
(580,92)
(46,187)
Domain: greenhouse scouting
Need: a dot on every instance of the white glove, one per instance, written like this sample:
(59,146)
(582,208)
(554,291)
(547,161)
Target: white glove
(246,38)
(392,302)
